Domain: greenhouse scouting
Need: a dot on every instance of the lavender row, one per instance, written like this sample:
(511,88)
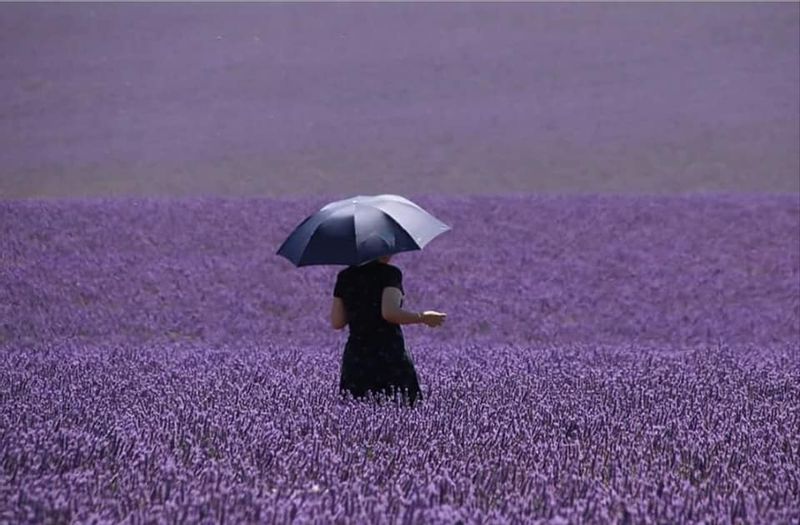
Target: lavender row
(509,434)
(514,269)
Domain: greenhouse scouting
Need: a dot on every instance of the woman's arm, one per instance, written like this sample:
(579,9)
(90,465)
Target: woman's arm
(338,314)
(391,311)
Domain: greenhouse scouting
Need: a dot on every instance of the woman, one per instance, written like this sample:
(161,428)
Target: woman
(369,298)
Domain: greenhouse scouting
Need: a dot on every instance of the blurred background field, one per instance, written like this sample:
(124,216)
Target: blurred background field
(453,98)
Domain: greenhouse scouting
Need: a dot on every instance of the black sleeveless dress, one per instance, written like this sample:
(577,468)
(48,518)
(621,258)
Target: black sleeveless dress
(375,359)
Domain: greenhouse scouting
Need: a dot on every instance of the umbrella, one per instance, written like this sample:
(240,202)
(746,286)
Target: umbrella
(359,229)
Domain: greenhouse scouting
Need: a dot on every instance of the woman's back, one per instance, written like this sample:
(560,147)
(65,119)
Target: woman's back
(375,357)
(361,290)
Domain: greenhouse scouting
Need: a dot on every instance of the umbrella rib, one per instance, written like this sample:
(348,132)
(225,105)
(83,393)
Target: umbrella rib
(400,226)
(416,209)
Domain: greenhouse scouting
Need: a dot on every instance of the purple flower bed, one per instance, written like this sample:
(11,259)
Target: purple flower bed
(605,358)
(513,270)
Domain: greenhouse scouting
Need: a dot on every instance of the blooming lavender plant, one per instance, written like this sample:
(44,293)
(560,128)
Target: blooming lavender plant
(605,359)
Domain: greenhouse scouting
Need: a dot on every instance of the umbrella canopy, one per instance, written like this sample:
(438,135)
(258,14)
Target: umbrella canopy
(359,229)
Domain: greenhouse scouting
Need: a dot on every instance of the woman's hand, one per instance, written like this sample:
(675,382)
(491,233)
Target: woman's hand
(433,318)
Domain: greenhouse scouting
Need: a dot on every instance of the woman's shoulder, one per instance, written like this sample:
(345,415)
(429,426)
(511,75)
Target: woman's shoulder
(344,272)
(393,275)
(393,268)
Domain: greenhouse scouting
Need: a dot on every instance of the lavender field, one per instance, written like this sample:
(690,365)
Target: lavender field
(606,358)
(622,277)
